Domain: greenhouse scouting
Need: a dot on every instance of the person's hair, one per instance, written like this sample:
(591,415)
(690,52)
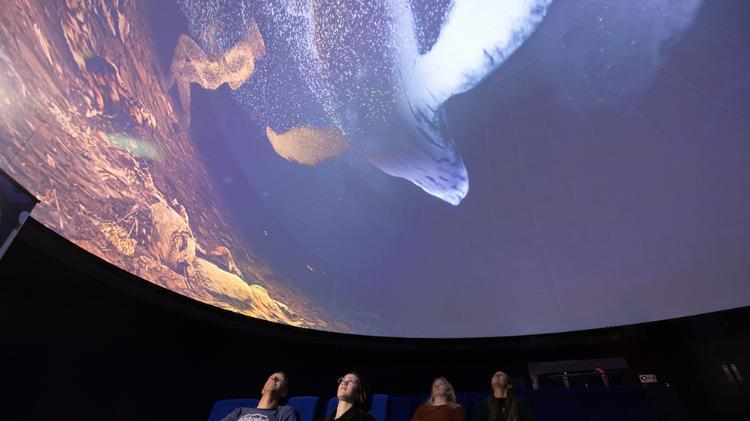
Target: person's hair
(511,404)
(451,397)
(285,390)
(360,404)
(361,396)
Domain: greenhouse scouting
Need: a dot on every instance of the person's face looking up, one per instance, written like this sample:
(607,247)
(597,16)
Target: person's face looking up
(439,388)
(276,384)
(348,388)
(500,380)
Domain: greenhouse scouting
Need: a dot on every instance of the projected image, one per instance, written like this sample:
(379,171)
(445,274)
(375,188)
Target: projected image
(441,168)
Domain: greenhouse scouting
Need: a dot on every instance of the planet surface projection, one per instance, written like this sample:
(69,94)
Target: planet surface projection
(407,168)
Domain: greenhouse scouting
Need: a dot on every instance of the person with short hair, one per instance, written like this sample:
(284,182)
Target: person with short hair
(352,396)
(442,405)
(502,404)
(269,409)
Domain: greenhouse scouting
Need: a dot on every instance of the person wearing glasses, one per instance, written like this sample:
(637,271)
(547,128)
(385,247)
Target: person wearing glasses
(502,404)
(442,405)
(269,409)
(352,397)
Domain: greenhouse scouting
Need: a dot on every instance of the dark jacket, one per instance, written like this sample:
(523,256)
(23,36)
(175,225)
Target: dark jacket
(353,414)
(503,406)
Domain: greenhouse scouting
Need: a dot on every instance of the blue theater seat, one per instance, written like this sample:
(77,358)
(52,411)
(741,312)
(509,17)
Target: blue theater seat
(223,407)
(557,404)
(400,408)
(331,405)
(305,405)
(474,400)
(379,407)
(603,404)
(466,402)
(417,400)
(619,403)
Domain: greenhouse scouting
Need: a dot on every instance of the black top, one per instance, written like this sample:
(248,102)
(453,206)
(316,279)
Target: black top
(482,413)
(352,414)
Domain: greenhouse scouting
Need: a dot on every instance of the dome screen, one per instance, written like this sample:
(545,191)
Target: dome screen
(408,168)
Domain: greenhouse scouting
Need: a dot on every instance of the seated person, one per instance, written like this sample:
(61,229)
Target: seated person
(268,408)
(442,404)
(352,400)
(502,404)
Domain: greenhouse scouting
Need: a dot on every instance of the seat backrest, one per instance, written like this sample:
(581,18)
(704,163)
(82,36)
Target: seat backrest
(417,400)
(223,407)
(379,408)
(466,400)
(557,404)
(400,408)
(305,406)
(476,398)
(331,405)
(603,404)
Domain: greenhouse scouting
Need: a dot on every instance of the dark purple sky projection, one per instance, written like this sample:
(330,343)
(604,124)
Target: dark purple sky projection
(609,178)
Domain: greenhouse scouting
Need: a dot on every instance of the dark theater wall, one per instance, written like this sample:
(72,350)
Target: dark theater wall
(85,340)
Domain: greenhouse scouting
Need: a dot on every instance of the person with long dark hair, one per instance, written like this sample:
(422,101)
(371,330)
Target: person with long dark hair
(442,405)
(502,404)
(352,396)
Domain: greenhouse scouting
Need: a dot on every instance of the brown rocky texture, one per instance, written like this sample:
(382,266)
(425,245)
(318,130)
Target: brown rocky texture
(81,99)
